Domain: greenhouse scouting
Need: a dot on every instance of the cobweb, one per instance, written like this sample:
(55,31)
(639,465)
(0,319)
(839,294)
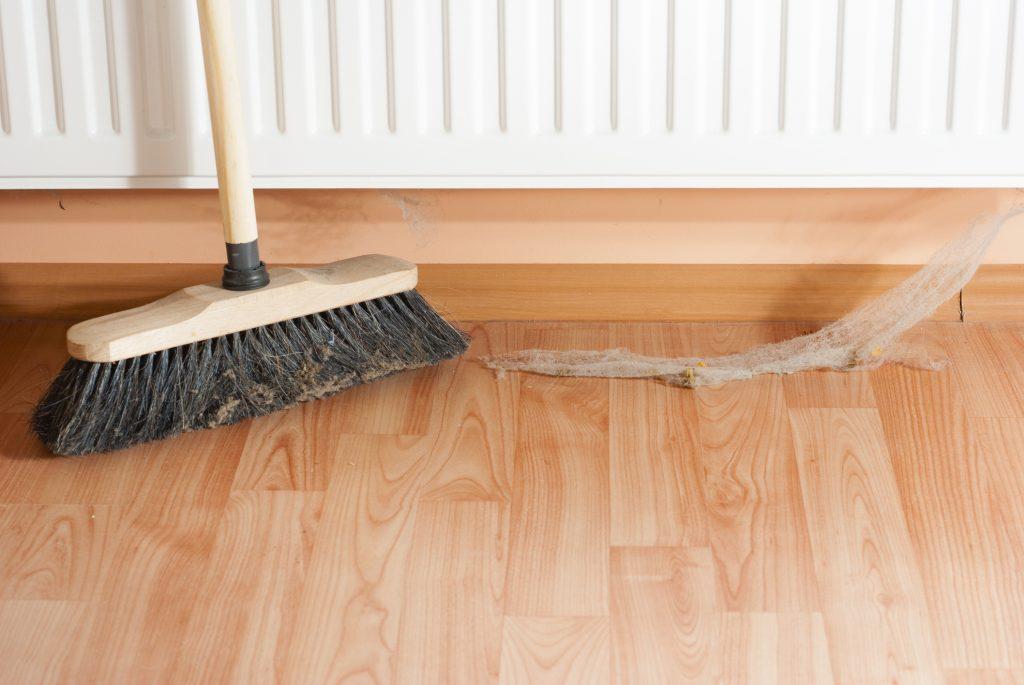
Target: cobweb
(863,339)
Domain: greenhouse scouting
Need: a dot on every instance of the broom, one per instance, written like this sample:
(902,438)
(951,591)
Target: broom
(261,341)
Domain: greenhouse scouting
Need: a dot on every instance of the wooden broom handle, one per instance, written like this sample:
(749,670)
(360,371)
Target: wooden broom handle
(237,208)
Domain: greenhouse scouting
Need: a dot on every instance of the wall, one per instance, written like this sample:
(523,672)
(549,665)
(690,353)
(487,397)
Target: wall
(889,226)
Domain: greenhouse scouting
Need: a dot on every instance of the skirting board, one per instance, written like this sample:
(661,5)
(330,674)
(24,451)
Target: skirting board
(582,292)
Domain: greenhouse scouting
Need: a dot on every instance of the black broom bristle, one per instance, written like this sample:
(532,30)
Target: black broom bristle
(104,406)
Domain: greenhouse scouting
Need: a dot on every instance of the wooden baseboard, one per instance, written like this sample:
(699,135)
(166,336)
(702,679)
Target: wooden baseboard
(584,292)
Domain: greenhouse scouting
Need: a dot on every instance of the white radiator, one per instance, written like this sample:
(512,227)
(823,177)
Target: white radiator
(522,93)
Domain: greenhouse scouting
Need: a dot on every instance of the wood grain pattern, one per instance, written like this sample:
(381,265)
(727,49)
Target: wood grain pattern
(989,364)
(173,503)
(291,450)
(54,552)
(354,592)
(945,498)
(452,618)
(665,615)
(657,493)
(558,554)
(984,676)
(997,446)
(479,423)
(555,650)
(135,627)
(29,474)
(251,589)
(781,648)
(529,292)
(758,530)
(39,639)
(450,525)
(864,560)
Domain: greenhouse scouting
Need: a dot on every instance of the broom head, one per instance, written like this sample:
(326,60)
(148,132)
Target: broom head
(205,356)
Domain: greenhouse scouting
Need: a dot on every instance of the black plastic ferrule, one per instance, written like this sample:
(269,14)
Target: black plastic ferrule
(244,270)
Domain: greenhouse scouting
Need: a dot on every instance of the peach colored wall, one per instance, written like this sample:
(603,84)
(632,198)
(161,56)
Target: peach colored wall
(480,226)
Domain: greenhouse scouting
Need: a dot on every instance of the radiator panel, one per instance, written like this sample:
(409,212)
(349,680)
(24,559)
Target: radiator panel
(522,93)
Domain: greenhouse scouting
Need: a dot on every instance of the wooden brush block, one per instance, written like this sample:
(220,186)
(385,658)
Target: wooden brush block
(201,312)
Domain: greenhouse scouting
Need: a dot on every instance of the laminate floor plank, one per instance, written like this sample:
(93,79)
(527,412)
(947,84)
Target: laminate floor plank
(657,493)
(666,615)
(196,467)
(998,449)
(559,536)
(945,496)
(984,676)
(163,544)
(988,361)
(758,530)
(29,474)
(38,639)
(353,597)
(451,628)
(479,423)
(768,647)
(555,650)
(290,450)
(871,588)
(250,594)
(56,551)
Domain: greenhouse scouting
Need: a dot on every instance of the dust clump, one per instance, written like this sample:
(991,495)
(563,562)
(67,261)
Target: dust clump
(863,339)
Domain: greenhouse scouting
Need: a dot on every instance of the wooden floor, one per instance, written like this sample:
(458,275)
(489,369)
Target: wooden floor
(450,526)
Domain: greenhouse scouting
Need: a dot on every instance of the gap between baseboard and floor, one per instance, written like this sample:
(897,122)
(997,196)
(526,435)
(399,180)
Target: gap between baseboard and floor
(580,292)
